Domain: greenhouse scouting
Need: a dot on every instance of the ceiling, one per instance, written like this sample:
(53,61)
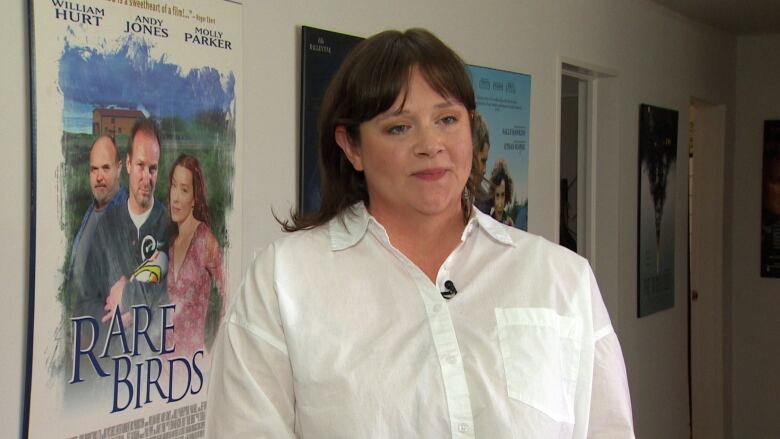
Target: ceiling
(739,17)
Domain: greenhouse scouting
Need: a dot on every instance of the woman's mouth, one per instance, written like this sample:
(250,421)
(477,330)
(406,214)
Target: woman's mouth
(431,174)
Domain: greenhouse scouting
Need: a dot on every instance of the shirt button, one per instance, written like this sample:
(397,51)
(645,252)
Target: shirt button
(452,359)
(437,307)
(464,427)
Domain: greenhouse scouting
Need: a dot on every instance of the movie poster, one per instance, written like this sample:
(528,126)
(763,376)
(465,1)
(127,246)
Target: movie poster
(504,106)
(136,214)
(657,180)
(770,201)
(321,54)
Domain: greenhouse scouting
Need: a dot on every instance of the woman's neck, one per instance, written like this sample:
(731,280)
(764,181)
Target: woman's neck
(426,240)
(187,227)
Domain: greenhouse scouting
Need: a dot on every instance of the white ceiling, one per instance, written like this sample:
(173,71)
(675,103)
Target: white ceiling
(739,17)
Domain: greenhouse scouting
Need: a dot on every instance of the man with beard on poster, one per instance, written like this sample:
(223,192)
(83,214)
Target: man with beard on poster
(127,262)
(105,168)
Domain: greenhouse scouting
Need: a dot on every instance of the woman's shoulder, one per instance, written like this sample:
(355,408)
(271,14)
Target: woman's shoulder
(298,243)
(205,239)
(530,245)
(545,247)
(203,233)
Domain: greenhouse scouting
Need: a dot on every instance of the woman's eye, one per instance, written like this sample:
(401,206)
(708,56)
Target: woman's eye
(398,129)
(449,120)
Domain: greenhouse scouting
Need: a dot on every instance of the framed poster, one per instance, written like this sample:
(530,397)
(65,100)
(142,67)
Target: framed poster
(136,137)
(504,106)
(770,201)
(322,52)
(657,180)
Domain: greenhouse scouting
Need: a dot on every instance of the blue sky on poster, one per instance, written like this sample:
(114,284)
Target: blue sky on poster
(129,75)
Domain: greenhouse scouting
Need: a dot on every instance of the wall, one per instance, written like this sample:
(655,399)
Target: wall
(755,300)
(14,217)
(657,56)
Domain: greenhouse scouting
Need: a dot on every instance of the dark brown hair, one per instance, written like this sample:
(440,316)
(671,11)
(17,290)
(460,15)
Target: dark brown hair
(201,208)
(367,84)
(501,173)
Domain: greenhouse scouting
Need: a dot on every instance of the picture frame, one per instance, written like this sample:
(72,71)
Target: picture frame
(105,72)
(656,209)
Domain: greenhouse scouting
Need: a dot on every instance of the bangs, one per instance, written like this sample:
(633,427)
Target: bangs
(375,86)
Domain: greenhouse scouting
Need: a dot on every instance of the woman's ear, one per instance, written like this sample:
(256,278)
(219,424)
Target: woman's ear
(349,146)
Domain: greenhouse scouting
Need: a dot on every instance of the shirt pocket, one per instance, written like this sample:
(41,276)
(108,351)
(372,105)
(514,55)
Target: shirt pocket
(541,354)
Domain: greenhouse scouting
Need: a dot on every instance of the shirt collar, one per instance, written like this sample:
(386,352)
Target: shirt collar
(349,227)
(493,228)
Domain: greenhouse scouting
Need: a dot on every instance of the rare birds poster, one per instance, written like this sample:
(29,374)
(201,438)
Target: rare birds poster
(136,110)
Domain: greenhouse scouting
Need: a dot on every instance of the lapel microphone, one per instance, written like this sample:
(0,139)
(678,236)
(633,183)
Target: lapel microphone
(451,290)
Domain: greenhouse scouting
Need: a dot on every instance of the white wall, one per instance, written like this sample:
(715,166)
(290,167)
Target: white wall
(755,300)
(659,59)
(14,215)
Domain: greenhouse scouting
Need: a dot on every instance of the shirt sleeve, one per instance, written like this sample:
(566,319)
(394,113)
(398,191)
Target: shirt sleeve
(250,389)
(610,405)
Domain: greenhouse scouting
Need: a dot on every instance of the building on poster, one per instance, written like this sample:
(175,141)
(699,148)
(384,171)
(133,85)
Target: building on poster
(136,138)
(770,201)
(504,108)
(657,180)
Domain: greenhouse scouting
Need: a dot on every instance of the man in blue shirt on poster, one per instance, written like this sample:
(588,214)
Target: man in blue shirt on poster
(105,168)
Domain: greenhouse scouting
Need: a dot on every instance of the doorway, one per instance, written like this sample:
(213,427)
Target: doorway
(575,160)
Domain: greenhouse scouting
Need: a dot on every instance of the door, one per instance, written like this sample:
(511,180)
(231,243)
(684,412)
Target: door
(706,301)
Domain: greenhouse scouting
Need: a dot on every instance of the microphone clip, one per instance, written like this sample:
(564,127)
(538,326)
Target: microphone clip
(451,291)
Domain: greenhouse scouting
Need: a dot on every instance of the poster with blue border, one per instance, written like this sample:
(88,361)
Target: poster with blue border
(137,134)
(322,52)
(504,103)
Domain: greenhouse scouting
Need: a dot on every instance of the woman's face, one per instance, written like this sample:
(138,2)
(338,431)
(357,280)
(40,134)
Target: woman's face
(416,159)
(182,196)
(499,198)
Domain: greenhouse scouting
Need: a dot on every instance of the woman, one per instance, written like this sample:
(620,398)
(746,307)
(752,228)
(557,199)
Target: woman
(195,256)
(342,329)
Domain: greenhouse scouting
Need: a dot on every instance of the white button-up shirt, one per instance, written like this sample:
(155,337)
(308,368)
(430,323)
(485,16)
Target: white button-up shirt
(336,334)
